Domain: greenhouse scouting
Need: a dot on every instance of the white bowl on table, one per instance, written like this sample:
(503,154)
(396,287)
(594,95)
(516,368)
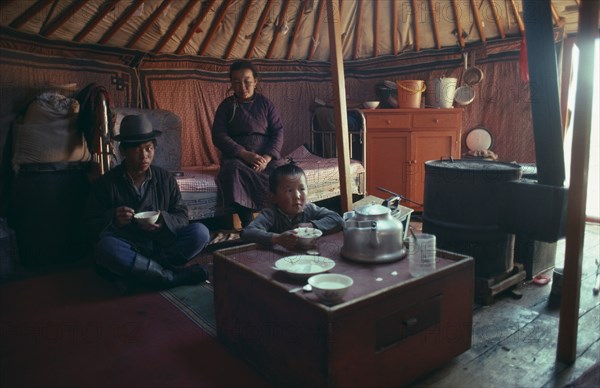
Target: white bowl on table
(330,288)
(149,217)
(307,237)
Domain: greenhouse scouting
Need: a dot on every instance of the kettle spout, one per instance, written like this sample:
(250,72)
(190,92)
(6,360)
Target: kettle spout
(348,215)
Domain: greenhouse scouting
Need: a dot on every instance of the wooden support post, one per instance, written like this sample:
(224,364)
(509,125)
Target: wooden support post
(339,106)
(582,124)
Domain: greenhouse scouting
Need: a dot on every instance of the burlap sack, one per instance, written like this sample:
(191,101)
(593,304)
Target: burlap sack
(48,132)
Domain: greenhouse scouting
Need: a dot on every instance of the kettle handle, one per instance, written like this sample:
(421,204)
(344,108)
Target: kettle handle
(374,240)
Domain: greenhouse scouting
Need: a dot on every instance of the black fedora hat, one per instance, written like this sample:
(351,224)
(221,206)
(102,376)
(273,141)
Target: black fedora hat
(136,129)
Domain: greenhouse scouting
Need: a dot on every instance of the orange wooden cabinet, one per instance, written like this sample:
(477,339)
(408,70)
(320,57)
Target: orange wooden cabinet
(400,141)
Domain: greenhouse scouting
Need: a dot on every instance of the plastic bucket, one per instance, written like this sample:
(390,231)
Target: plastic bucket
(409,93)
(441,91)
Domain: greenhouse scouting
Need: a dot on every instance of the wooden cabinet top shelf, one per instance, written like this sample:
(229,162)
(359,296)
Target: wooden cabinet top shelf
(414,119)
(411,110)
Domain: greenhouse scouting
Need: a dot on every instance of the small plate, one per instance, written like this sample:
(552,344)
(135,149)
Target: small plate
(302,266)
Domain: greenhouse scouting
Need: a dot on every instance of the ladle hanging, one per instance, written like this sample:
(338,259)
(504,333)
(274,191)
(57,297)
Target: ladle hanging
(465,94)
(473,75)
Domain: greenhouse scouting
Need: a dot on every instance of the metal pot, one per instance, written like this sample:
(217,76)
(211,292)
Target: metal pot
(464,95)
(371,235)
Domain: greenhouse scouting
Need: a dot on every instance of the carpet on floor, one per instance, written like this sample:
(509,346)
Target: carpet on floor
(197,303)
(73,329)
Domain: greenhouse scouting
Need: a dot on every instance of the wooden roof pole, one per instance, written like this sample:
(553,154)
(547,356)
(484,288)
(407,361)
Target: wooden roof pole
(459,30)
(119,23)
(375,29)
(555,14)
(157,12)
(216,23)
(415,18)
(478,20)
(278,28)
(204,9)
(102,12)
(395,28)
(259,28)
(296,29)
(64,16)
(357,29)
(31,12)
(339,106)
(582,124)
(315,35)
(518,17)
(174,25)
(497,19)
(238,29)
(436,32)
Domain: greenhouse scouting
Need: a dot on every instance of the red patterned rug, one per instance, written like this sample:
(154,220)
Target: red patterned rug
(73,329)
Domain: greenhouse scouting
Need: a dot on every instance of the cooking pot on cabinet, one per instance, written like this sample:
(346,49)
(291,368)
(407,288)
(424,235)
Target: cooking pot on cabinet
(372,234)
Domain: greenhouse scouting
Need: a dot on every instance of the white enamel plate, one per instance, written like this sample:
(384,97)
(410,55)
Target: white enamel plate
(302,266)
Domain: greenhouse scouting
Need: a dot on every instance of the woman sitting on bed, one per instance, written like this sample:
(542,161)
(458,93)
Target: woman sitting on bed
(249,133)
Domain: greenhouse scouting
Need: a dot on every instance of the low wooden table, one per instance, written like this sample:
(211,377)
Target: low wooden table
(389,330)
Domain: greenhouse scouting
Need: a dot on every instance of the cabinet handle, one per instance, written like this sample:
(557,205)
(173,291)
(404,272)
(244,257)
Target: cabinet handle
(388,121)
(436,121)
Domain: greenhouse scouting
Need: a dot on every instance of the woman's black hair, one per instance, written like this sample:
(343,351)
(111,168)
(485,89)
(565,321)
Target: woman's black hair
(289,169)
(240,65)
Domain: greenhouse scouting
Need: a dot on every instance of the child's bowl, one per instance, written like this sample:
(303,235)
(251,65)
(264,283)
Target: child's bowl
(307,237)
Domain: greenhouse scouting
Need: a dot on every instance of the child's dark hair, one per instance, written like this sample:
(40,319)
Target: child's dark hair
(240,65)
(289,169)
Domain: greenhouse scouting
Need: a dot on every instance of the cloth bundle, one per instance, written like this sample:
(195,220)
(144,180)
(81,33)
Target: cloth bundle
(48,133)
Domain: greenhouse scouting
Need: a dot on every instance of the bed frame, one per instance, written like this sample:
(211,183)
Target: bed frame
(323,142)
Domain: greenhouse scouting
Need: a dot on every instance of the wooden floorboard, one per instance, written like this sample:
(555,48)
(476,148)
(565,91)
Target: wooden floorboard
(514,340)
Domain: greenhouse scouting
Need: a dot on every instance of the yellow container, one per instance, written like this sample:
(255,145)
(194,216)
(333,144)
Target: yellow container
(409,93)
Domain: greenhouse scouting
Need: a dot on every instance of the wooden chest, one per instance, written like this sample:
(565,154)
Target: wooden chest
(390,329)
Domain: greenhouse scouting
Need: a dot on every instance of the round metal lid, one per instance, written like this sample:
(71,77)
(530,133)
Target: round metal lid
(473,165)
(372,210)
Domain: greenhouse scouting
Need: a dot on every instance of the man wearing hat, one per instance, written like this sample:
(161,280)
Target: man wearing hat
(134,253)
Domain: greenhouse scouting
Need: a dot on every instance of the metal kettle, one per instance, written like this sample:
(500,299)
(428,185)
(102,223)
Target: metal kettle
(372,234)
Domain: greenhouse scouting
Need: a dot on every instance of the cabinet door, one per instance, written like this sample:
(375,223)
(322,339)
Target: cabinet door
(429,145)
(386,162)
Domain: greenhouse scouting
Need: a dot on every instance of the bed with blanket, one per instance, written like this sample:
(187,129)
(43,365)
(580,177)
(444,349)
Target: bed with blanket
(198,186)
(200,191)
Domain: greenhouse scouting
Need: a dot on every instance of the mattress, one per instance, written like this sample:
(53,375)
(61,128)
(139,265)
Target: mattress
(200,192)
